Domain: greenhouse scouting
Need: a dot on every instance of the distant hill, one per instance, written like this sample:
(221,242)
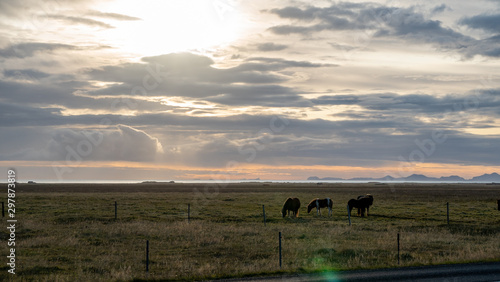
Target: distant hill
(493,177)
(324,178)
(452,178)
(420,177)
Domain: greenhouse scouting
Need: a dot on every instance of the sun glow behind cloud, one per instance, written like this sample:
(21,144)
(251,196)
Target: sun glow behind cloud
(173,26)
(213,76)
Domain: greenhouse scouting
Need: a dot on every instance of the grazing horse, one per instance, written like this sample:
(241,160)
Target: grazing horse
(291,204)
(320,203)
(369,201)
(361,203)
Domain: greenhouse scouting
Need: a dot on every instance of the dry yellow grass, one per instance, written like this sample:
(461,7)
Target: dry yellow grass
(67,233)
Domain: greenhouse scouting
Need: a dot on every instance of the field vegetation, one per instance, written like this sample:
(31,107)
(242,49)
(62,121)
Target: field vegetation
(68,232)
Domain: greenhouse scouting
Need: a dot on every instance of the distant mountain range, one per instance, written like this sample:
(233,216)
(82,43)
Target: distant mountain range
(493,177)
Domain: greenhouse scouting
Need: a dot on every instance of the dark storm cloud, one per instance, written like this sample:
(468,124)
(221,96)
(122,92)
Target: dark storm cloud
(254,82)
(484,101)
(34,90)
(369,142)
(15,115)
(411,25)
(69,146)
(490,23)
(33,93)
(341,16)
(21,115)
(406,24)
(368,138)
(387,21)
(174,69)
(487,22)
(25,74)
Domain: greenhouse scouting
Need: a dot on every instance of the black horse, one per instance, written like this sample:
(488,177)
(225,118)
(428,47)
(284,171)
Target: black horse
(361,203)
(291,206)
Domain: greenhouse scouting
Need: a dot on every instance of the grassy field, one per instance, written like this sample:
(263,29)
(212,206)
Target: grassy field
(68,232)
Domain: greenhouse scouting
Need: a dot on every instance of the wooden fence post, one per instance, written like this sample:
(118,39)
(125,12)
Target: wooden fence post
(147,255)
(264,214)
(447,212)
(398,248)
(349,214)
(280,247)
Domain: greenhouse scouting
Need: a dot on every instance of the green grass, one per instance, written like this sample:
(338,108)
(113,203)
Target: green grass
(73,236)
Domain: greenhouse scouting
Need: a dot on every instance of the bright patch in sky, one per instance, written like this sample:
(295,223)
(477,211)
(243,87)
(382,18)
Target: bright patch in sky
(174,25)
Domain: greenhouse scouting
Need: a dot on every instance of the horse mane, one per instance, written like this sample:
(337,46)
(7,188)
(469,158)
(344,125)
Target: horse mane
(285,205)
(312,204)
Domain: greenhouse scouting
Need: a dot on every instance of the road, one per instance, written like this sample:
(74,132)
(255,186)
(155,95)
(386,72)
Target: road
(445,273)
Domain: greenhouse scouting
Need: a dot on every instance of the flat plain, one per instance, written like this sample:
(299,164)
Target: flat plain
(68,232)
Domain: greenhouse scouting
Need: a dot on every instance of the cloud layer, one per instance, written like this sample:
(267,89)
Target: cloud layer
(361,85)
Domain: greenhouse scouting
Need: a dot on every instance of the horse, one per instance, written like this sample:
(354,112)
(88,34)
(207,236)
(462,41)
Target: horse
(361,203)
(369,201)
(320,203)
(291,204)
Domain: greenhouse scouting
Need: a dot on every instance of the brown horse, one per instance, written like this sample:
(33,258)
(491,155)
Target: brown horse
(369,202)
(320,203)
(361,203)
(291,204)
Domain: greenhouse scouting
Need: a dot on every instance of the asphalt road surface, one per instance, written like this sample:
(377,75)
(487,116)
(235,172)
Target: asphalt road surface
(444,273)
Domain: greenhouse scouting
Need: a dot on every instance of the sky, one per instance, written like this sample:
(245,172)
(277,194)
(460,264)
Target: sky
(232,89)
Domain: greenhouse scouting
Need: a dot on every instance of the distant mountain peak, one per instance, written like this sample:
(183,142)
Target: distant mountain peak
(492,177)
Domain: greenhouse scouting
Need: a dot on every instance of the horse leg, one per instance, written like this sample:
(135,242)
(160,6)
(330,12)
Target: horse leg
(362,212)
(367,210)
(328,205)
